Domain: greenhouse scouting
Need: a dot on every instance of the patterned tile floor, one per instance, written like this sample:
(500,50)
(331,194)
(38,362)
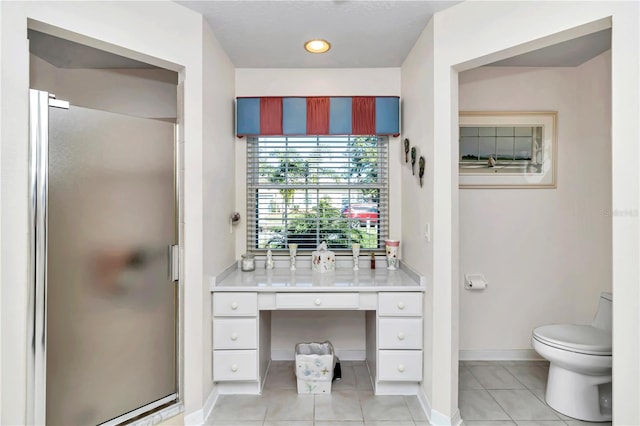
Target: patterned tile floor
(491,394)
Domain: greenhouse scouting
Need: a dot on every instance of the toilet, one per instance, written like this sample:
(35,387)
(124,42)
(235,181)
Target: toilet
(579,383)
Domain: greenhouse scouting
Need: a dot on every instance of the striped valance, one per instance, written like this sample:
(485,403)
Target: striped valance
(342,115)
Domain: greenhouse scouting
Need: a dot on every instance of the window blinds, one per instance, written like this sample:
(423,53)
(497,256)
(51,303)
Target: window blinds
(306,190)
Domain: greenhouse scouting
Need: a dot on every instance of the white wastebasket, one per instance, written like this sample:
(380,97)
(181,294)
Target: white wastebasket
(314,367)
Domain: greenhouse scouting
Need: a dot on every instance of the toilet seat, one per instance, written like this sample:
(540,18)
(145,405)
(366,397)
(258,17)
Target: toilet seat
(583,339)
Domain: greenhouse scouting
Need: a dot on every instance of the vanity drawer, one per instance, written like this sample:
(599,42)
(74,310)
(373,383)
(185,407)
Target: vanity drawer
(236,333)
(235,304)
(317,300)
(400,333)
(400,366)
(235,365)
(400,304)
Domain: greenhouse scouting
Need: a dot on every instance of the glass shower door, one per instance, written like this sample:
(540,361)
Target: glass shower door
(111,305)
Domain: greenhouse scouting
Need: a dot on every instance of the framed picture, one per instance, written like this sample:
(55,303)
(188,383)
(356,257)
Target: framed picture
(507,149)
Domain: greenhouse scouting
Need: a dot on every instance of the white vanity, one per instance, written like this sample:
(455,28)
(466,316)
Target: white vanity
(243,302)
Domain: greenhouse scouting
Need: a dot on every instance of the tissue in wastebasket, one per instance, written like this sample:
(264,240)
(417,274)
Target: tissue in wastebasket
(313,348)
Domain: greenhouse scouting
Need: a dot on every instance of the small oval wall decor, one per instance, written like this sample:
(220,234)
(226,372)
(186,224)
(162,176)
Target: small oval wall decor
(414,154)
(406,150)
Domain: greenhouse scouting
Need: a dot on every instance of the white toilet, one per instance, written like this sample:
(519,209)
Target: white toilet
(579,383)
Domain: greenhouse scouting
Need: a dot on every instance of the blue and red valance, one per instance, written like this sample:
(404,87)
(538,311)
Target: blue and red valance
(318,115)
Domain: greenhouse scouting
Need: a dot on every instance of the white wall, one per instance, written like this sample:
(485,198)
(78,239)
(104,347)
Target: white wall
(318,82)
(161,33)
(417,126)
(345,330)
(147,93)
(489,36)
(218,244)
(546,252)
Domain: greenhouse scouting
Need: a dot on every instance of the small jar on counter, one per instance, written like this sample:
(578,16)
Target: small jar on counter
(248,262)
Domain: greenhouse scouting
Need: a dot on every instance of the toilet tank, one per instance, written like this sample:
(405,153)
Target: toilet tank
(605,312)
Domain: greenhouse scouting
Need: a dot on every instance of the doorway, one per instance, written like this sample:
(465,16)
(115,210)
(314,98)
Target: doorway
(105,204)
(546,252)
(103,185)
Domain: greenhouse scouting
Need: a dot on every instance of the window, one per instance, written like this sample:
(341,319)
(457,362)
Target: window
(507,149)
(306,190)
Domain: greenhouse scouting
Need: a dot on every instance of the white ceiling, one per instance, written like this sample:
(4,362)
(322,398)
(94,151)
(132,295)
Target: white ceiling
(271,34)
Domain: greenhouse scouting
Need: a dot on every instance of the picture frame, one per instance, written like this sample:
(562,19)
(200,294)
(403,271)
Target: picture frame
(507,149)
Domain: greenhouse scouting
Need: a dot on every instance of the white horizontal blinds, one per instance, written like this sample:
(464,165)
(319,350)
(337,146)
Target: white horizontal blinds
(305,190)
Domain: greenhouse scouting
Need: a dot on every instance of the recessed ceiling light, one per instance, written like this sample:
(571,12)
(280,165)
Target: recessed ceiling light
(317,46)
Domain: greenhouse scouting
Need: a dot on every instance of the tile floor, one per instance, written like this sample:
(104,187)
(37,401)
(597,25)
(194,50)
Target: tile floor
(497,393)
(351,403)
(491,394)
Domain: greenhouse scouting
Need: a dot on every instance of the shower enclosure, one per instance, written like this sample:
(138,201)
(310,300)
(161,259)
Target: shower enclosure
(103,295)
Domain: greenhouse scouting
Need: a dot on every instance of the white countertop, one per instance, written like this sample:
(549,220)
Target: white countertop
(305,280)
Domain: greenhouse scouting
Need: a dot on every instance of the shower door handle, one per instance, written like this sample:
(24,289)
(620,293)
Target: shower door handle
(174,262)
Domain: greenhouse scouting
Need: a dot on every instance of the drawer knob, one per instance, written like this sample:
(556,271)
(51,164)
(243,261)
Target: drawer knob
(234,336)
(234,367)
(401,336)
(401,368)
(401,305)
(234,305)
(318,302)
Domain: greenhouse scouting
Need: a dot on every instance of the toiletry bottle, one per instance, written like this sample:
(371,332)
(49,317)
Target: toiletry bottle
(269,264)
(373,260)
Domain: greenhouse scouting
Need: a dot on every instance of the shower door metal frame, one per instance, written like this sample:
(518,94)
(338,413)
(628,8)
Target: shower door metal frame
(39,104)
(37,324)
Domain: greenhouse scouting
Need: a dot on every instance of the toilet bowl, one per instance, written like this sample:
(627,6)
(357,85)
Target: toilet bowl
(579,383)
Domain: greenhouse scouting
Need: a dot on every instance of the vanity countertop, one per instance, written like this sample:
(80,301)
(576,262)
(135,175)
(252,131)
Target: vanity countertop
(305,280)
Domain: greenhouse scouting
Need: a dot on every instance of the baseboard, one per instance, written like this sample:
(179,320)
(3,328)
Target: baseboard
(439,419)
(499,355)
(435,417)
(198,417)
(424,403)
(209,403)
(344,355)
(194,419)
(456,420)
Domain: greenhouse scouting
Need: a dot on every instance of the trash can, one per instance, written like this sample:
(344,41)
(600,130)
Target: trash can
(314,367)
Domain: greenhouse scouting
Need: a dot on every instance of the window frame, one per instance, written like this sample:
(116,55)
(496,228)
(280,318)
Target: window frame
(540,173)
(255,241)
